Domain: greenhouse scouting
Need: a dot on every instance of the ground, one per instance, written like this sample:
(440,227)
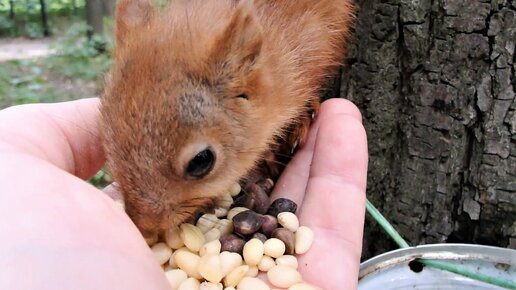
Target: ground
(20,48)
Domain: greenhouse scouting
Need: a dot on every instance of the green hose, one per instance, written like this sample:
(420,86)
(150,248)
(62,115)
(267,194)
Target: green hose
(450,267)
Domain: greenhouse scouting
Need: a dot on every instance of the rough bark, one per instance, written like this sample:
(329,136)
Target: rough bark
(435,80)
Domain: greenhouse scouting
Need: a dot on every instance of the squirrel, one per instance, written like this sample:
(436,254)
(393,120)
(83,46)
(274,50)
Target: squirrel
(200,91)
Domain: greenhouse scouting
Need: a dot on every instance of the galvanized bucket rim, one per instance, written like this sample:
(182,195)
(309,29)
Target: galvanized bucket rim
(437,252)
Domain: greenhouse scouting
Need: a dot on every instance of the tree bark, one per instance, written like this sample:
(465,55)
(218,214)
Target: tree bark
(94,16)
(11,9)
(435,81)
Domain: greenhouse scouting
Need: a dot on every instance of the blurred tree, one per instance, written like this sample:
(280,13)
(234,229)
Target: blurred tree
(44,20)
(94,16)
(11,9)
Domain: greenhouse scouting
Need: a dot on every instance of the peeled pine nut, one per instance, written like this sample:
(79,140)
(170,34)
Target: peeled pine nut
(190,284)
(234,277)
(235,189)
(173,238)
(210,286)
(225,226)
(175,277)
(253,271)
(274,248)
(229,288)
(234,211)
(192,237)
(250,283)
(304,239)
(288,220)
(212,247)
(210,268)
(206,222)
(283,276)
(225,202)
(287,260)
(303,286)
(229,261)
(266,263)
(161,252)
(220,212)
(211,235)
(253,252)
(188,262)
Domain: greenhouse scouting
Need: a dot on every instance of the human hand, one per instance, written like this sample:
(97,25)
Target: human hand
(58,232)
(327,179)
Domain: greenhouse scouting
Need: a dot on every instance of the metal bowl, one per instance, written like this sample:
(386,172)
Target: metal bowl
(391,270)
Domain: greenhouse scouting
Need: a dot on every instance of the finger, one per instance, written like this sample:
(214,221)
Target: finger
(64,134)
(334,204)
(292,183)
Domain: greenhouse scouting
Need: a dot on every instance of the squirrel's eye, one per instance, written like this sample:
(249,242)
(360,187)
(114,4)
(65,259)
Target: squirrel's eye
(242,96)
(200,165)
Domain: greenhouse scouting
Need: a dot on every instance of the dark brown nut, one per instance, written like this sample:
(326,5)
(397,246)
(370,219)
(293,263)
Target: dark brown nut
(254,198)
(232,243)
(287,237)
(260,237)
(282,205)
(247,222)
(270,223)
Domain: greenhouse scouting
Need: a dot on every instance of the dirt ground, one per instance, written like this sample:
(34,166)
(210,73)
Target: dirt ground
(20,48)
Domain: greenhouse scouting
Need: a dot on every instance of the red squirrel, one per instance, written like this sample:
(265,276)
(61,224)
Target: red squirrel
(200,90)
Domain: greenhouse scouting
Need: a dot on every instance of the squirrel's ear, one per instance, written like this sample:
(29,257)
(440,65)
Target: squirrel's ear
(241,40)
(131,14)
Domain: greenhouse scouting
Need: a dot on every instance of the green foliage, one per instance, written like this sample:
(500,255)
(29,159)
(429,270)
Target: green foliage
(101,179)
(27,19)
(74,71)
(79,56)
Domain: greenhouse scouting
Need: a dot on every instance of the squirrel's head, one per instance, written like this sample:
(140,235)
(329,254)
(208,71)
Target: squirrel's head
(182,113)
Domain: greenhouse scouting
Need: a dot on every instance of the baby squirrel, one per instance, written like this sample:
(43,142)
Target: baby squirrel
(200,90)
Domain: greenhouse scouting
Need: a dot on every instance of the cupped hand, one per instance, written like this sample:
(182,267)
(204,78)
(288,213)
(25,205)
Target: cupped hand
(327,179)
(58,232)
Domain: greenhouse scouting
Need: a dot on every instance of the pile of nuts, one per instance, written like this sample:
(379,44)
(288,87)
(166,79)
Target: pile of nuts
(227,250)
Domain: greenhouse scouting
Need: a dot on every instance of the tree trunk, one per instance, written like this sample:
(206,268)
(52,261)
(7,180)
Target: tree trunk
(109,7)
(94,16)
(11,9)
(435,81)
(44,20)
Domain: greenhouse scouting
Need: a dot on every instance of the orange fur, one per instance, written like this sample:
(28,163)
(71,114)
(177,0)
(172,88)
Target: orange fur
(173,88)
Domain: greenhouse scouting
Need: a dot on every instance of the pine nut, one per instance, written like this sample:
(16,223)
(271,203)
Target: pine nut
(229,261)
(161,252)
(210,286)
(253,271)
(249,283)
(190,284)
(188,262)
(283,276)
(274,248)
(213,234)
(192,237)
(287,260)
(225,226)
(210,268)
(234,277)
(220,212)
(288,220)
(253,252)
(212,247)
(235,189)
(225,202)
(206,222)
(266,263)
(175,277)
(304,239)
